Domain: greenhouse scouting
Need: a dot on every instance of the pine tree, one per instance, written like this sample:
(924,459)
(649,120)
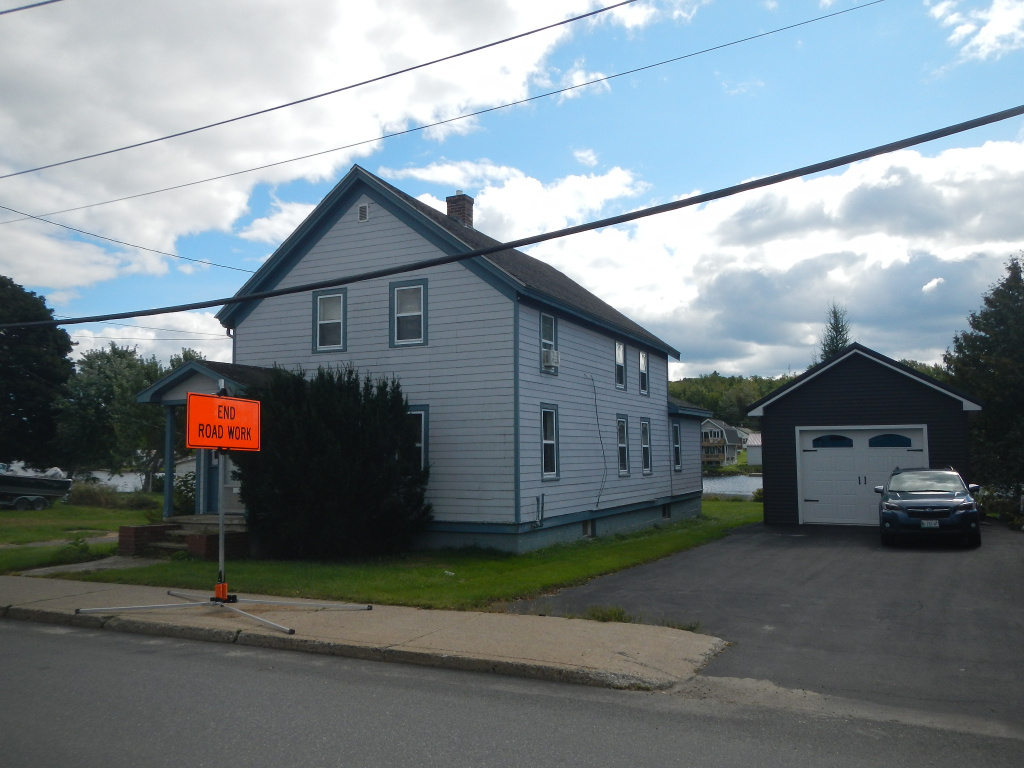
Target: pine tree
(988,362)
(835,336)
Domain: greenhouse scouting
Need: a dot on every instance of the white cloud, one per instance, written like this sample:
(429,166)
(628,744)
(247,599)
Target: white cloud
(576,77)
(985,32)
(932,284)
(275,228)
(160,335)
(587,157)
(99,75)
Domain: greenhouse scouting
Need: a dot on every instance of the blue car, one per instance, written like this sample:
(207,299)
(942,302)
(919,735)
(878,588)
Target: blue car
(928,503)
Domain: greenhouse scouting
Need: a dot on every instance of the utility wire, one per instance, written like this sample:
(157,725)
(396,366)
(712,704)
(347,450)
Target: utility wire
(122,242)
(27,7)
(317,96)
(806,170)
(168,330)
(458,117)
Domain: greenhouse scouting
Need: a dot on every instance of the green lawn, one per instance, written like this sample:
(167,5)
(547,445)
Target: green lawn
(15,559)
(63,522)
(453,579)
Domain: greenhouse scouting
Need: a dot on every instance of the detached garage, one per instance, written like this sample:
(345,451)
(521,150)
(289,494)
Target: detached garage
(836,431)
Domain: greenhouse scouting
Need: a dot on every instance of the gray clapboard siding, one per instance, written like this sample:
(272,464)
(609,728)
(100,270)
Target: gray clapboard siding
(588,402)
(463,374)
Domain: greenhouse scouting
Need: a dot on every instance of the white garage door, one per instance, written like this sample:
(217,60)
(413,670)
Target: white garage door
(838,468)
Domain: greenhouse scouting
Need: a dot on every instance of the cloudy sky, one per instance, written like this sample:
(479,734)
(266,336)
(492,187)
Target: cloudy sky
(907,242)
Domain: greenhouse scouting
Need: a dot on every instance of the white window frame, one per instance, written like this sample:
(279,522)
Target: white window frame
(548,411)
(677,447)
(646,457)
(397,290)
(548,343)
(622,443)
(644,374)
(620,365)
(318,322)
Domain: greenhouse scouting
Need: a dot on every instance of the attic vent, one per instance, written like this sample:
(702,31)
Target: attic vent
(364,213)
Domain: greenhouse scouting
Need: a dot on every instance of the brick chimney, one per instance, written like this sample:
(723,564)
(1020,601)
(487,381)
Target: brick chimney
(460,208)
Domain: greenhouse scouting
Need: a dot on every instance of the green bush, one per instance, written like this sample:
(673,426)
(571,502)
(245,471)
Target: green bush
(93,494)
(338,473)
(758,495)
(184,494)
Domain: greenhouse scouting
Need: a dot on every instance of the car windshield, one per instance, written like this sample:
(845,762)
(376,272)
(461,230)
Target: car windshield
(923,482)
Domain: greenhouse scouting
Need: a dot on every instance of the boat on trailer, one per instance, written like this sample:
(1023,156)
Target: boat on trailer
(31,490)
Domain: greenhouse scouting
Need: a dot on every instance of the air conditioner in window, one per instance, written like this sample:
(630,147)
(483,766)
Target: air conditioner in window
(549,358)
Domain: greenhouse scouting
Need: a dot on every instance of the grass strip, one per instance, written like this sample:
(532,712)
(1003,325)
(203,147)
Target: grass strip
(63,521)
(449,579)
(16,559)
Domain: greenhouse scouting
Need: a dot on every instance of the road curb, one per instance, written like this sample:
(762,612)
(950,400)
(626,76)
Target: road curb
(438,660)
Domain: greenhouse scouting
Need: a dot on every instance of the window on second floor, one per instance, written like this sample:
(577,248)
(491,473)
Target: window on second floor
(548,344)
(329,321)
(620,365)
(677,447)
(409,313)
(643,374)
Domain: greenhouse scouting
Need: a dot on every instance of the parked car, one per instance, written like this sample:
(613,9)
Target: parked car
(928,503)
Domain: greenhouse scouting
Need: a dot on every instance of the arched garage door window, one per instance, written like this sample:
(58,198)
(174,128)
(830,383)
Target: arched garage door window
(889,441)
(832,441)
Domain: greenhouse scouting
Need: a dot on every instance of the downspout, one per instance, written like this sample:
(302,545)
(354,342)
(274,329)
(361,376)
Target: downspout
(600,440)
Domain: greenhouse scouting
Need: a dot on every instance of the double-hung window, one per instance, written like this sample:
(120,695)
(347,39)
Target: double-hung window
(677,448)
(548,344)
(622,441)
(643,373)
(329,320)
(645,446)
(620,365)
(549,441)
(409,313)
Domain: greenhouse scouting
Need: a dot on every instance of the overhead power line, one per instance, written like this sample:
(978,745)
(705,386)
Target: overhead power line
(457,118)
(122,242)
(767,181)
(317,96)
(29,7)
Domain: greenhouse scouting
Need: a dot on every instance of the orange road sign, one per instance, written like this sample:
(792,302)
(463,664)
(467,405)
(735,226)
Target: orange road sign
(222,422)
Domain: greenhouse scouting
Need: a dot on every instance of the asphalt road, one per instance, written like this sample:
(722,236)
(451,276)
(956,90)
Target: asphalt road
(927,628)
(90,698)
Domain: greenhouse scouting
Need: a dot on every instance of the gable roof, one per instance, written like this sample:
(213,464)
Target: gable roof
(511,269)
(679,407)
(757,409)
(237,378)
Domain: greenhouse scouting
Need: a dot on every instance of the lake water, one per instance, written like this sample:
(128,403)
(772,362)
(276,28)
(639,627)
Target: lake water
(744,484)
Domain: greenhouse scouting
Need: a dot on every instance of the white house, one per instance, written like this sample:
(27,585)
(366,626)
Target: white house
(544,411)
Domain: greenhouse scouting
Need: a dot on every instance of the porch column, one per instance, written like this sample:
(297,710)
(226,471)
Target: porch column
(169,461)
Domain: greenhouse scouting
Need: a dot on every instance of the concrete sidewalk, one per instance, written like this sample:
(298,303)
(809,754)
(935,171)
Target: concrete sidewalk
(612,655)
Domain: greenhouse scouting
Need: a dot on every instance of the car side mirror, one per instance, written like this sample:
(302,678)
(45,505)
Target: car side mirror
(879,489)
(973,488)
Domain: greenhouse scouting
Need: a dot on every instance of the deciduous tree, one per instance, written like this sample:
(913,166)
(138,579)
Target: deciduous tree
(34,367)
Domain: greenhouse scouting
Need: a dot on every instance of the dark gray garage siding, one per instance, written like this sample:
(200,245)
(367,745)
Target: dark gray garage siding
(855,391)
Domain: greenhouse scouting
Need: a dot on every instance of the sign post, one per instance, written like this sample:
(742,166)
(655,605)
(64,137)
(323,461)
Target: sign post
(221,423)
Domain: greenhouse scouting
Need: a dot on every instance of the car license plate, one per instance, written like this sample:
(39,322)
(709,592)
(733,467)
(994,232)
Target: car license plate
(929,523)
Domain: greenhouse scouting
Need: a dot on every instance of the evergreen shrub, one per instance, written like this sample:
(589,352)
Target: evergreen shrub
(338,474)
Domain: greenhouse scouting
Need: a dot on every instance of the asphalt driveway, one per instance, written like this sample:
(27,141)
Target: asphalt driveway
(930,627)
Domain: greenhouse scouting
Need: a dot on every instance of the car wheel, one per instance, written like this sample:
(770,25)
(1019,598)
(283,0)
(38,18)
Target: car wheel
(974,539)
(39,504)
(22,504)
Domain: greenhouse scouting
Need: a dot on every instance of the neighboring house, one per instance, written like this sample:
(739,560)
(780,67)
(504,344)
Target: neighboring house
(754,449)
(544,412)
(720,443)
(837,430)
